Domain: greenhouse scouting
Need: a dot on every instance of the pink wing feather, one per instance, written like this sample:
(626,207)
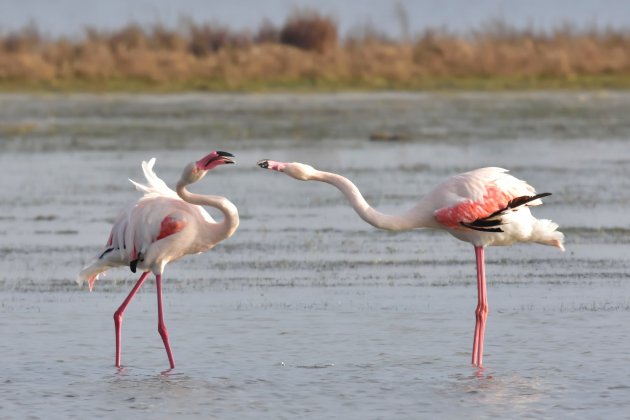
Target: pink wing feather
(478,194)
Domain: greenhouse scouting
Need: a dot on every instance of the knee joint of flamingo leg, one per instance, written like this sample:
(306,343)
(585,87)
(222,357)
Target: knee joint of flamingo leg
(118,317)
(482,311)
(162,330)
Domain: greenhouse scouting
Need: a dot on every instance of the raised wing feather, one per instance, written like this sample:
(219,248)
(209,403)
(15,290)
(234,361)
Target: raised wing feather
(155,186)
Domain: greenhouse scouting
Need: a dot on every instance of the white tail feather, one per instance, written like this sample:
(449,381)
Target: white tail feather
(91,272)
(545,232)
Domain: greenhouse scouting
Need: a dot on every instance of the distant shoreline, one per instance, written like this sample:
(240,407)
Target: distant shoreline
(620,82)
(306,54)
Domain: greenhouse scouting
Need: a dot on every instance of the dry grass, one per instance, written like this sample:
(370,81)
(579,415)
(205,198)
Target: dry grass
(307,52)
(310,31)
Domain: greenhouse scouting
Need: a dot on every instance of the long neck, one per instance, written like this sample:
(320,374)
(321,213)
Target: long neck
(416,217)
(230,214)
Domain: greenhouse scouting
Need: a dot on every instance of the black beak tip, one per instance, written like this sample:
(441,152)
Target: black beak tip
(264,163)
(224,154)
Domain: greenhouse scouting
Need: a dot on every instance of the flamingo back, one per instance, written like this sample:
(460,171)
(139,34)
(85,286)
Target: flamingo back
(476,195)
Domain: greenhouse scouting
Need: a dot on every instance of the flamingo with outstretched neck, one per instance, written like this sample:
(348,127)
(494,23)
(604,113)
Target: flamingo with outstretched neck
(486,207)
(161,227)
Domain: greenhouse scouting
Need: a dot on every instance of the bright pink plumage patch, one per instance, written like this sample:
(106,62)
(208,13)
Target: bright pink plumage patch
(468,211)
(170,226)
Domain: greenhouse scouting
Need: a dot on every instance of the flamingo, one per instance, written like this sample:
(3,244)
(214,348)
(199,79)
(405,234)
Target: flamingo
(485,207)
(163,226)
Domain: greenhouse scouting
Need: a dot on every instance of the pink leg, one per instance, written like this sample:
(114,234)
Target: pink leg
(481,312)
(118,315)
(161,326)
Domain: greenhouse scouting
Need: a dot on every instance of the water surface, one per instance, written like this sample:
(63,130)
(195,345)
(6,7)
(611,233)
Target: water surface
(307,311)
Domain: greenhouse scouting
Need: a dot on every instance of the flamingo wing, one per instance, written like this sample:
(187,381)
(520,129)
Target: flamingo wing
(477,199)
(152,219)
(155,187)
(159,213)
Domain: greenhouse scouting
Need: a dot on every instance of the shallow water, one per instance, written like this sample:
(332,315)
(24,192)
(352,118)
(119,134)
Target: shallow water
(307,311)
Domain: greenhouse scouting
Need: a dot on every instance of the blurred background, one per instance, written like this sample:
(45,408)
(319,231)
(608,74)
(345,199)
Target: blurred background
(323,45)
(393,17)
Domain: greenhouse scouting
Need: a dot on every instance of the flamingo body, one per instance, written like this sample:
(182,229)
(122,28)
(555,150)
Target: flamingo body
(475,207)
(485,207)
(161,227)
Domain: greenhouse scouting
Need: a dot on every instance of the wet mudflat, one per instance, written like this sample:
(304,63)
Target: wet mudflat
(307,311)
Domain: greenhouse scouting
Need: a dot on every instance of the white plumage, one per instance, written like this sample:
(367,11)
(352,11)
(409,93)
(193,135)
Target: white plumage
(162,226)
(486,207)
(138,226)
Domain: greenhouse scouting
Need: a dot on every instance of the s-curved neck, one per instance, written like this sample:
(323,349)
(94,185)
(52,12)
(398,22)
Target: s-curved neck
(414,218)
(230,213)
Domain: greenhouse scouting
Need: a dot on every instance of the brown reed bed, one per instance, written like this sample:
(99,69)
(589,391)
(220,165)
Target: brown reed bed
(307,53)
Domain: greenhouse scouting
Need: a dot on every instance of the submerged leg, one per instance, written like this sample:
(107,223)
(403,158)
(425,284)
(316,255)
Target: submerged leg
(118,315)
(161,326)
(481,312)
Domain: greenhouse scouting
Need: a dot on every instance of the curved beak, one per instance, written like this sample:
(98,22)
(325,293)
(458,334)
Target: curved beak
(225,156)
(213,159)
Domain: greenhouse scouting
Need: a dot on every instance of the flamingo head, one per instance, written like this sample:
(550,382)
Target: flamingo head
(197,170)
(213,160)
(295,170)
